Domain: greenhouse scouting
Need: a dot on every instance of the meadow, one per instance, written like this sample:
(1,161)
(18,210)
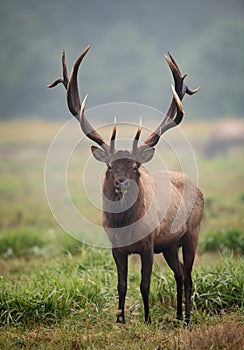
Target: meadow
(57,292)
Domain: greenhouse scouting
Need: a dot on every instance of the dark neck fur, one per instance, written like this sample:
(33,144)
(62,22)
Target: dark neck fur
(122,217)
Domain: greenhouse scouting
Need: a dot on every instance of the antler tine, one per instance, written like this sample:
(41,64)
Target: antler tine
(63,80)
(65,73)
(178,80)
(73,99)
(179,116)
(88,130)
(192,92)
(153,139)
(179,91)
(136,138)
(180,87)
(70,84)
(113,136)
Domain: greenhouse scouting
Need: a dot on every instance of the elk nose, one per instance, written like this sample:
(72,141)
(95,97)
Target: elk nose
(121,183)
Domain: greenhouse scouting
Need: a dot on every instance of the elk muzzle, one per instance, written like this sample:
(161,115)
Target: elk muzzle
(121,184)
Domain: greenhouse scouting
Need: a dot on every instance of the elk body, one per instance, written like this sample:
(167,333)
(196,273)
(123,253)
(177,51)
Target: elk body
(144,213)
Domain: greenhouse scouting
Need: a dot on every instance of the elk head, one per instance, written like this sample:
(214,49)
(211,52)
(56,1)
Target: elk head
(123,166)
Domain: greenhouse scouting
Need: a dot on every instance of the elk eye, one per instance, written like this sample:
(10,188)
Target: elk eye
(135,168)
(109,167)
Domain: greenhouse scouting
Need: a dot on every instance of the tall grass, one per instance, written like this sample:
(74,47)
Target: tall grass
(57,290)
(220,287)
(67,288)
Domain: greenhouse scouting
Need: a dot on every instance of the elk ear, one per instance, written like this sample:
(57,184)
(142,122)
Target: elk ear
(99,154)
(147,154)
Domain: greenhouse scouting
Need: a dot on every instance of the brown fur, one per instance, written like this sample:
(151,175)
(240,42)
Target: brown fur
(175,204)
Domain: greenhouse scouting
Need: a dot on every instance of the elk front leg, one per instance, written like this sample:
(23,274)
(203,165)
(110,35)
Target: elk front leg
(121,261)
(146,271)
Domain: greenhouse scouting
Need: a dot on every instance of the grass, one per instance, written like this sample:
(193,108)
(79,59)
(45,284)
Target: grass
(31,242)
(101,333)
(57,293)
(68,288)
(20,242)
(219,332)
(73,301)
(220,287)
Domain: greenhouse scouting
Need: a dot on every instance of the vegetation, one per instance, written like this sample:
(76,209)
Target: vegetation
(56,292)
(69,288)
(224,241)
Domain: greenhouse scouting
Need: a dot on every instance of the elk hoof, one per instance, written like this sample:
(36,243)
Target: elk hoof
(120,319)
(148,321)
(187,321)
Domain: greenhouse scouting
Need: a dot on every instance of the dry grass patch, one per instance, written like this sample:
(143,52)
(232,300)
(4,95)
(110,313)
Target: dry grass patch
(217,333)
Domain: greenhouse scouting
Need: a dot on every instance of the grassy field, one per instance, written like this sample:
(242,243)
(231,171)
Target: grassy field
(58,293)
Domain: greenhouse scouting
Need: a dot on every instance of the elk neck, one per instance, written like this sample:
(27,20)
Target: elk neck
(121,209)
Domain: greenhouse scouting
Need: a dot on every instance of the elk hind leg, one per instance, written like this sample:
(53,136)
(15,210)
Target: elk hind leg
(189,245)
(172,258)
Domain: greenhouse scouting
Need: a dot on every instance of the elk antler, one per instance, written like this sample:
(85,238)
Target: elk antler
(140,152)
(171,119)
(112,140)
(136,139)
(73,101)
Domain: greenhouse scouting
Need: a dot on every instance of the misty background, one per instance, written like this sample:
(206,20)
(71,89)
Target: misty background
(125,62)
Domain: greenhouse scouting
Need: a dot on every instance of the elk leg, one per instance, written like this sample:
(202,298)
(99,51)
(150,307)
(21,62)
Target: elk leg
(188,294)
(188,248)
(172,258)
(121,261)
(146,271)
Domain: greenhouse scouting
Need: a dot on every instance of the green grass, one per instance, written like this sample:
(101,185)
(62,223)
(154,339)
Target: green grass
(71,303)
(68,287)
(225,241)
(57,293)
(20,242)
(32,242)
(220,287)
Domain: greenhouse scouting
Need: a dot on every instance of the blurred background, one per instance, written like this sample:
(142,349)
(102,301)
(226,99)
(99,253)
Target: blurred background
(126,61)
(125,64)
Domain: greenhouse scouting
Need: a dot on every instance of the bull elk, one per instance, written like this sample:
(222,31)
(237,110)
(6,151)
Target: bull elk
(144,213)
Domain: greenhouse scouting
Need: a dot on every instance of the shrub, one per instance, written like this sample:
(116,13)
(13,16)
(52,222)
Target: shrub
(224,241)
